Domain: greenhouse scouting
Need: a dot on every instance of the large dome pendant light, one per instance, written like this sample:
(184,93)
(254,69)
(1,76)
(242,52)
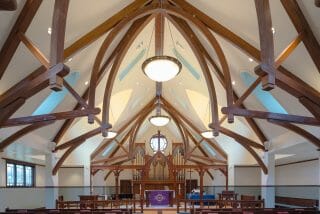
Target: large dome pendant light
(161,68)
(159,120)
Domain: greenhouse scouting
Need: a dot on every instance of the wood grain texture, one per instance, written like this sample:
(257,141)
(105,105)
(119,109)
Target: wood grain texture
(302,26)
(21,25)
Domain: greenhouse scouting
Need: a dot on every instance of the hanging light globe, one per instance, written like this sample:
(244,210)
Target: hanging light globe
(111,134)
(208,134)
(161,68)
(159,120)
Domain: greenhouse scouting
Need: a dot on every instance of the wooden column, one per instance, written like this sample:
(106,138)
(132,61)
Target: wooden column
(227,178)
(116,177)
(201,174)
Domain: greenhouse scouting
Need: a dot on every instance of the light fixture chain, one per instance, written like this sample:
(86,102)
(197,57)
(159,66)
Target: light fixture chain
(147,53)
(174,45)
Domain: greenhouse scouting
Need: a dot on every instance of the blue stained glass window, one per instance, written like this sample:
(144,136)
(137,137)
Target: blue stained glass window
(20,175)
(10,174)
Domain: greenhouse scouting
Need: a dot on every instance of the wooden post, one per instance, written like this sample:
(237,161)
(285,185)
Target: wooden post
(227,178)
(201,174)
(116,177)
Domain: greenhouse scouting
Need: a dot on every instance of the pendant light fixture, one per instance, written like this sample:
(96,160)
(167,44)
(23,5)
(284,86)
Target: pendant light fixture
(161,68)
(208,134)
(111,134)
(158,119)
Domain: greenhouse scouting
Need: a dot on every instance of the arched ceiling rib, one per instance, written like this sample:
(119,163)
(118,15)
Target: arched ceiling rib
(196,42)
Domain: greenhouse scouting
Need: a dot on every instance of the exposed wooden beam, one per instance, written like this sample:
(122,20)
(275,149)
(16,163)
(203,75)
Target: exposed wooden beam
(104,68)
(81,43)
(34,50)
(193,37)
(124,127)
(82,137)
(49,117)
(108,160)
(275,116)
(169,108)
(237,137)
(22,132)
(32,85)
(300,131)
(284,79)
(266,68)
(114,69)
(103,28)
(107,175)
(64,157)
(288,50)
(311,106)
(302,26)
(206,72)
(210,159)
(21,25)
(9,5)
(244,96)
(7,112)
(59,21)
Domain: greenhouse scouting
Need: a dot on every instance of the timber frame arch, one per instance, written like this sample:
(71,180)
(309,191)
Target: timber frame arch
(151,9)
(270,72)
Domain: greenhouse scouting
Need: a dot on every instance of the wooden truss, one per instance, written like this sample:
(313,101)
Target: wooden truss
(137,15)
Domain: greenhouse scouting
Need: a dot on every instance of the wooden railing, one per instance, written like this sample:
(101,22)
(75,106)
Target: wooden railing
(300,202)
(257,211)
(212,203)
(70,211)
(101,204)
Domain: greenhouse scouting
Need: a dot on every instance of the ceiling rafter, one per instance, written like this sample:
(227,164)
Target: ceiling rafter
(239,101)
(300,131)
(128,123)
(9,5)
(169,108)
(21,25)
(59,22)
(270,115)
(22,132)
(243,143)
(114,70)
(302,26)
(266,68)
(135,15)
(206,73)
(12,42)
(284,78)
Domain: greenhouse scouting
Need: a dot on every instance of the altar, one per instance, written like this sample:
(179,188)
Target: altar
(159,197)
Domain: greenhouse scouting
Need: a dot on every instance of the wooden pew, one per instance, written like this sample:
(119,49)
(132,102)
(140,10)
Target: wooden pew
(299,202)
(70,211)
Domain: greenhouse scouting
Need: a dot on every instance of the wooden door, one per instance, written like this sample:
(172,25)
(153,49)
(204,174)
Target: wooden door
(125,187)
(191,184)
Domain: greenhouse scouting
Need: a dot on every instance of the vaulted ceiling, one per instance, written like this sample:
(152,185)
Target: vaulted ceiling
(227,50)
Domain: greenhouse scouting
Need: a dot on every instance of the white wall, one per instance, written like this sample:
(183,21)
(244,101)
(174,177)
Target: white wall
(70,176)
(247,176)
(247,180)
(24,196)
(305,173)
(71,183)
(40,176)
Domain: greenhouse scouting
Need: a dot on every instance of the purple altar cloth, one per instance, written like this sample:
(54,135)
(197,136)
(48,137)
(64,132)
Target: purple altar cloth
(159,197)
